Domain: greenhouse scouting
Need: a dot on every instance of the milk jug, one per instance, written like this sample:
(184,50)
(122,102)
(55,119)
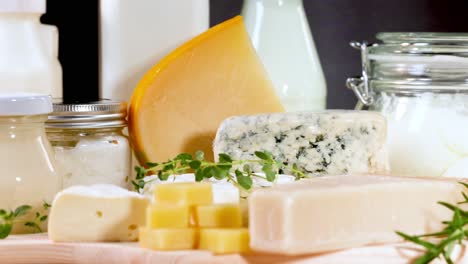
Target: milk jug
(136,34)
(281,35)
(28,49)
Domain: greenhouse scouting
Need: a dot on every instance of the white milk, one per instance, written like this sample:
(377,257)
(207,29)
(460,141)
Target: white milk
(28,50)
(280,33)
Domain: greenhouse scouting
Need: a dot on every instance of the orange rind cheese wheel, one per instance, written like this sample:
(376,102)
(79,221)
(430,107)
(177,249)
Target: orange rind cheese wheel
(179,103)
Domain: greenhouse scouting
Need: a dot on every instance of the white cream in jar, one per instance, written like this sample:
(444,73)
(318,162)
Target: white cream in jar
(427,134)
(90,147)
(28,174)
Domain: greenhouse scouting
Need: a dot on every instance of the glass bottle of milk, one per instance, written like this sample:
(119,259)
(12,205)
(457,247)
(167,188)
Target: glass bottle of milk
(281,35)
(28,50)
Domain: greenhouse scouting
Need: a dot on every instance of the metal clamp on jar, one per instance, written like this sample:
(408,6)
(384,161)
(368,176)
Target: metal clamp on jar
(419,81)
(89,143)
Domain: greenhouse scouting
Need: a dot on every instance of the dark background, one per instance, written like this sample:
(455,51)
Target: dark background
(334,23)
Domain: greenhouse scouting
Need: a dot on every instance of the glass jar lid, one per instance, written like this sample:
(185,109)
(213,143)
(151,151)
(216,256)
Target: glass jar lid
(412,62)
(104,113)
(421,43)
(21,104)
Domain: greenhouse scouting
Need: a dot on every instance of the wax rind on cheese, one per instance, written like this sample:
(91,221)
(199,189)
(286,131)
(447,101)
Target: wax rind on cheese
(320,143)
(181,101)
(225,240)
(168,238)
(337,212)
(167,216)
(218,215)
(96,213)
(184,193)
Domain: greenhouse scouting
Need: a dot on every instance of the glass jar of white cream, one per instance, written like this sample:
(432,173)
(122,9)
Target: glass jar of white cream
(89,143)
(28,175)
(419,81)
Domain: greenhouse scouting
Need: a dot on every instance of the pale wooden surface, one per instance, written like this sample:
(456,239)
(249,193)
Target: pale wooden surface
(38,249)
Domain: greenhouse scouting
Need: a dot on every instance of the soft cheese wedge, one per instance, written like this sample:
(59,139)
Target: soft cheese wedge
(179,104)
(96,213)
(337,212)
(319,143)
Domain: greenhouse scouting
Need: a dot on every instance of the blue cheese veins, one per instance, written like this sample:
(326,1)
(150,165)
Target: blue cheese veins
(321,143)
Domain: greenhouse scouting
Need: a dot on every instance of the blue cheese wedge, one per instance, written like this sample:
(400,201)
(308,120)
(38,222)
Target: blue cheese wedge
(320,143)
(96,213)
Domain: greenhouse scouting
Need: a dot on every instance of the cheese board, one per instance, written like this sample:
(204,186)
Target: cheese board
(37,248)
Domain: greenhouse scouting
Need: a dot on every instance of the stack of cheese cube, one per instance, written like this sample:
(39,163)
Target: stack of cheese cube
(183,216)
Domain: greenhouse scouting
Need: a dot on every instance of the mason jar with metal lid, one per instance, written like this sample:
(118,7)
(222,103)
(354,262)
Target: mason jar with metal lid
(419,81)
(89,143)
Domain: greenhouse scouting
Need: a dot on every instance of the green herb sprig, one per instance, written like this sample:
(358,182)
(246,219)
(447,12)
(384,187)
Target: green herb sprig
(9,218)
(239,172)
(455,232)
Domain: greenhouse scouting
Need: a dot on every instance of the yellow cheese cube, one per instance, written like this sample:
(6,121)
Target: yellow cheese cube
(225,240)
(218,215)
(168,238)
(184,193)
(167,216)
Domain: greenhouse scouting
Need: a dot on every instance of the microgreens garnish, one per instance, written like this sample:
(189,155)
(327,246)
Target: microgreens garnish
(239,172)
(455,232)
(9,218)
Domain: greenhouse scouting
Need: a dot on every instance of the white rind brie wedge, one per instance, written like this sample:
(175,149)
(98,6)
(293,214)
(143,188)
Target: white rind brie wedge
(96,213)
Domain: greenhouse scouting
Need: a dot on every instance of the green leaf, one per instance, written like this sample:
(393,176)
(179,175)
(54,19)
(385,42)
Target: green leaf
(224,158)
(416,240)
(465,197)
(22,210)
(464,184)
(425,259)
(2,212)
(220,172)
(208,172)
(244,181)
(38,214)
(271,176)
(199,155)
(140,172)
(195,164)
(43,218)
(453,208)
(263,155)
(269,173)
(5,230)
(226,169)
(34,225)
(199,175)
(46,205)
(152,164)
(136,186)
(247,169)
(163,176)
(183,156)
(168,167)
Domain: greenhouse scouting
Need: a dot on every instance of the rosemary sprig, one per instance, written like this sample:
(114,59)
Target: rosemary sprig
(239,172)
(9,218)
(455,232)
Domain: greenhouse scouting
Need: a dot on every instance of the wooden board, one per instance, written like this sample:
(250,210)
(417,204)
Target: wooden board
(28,249)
